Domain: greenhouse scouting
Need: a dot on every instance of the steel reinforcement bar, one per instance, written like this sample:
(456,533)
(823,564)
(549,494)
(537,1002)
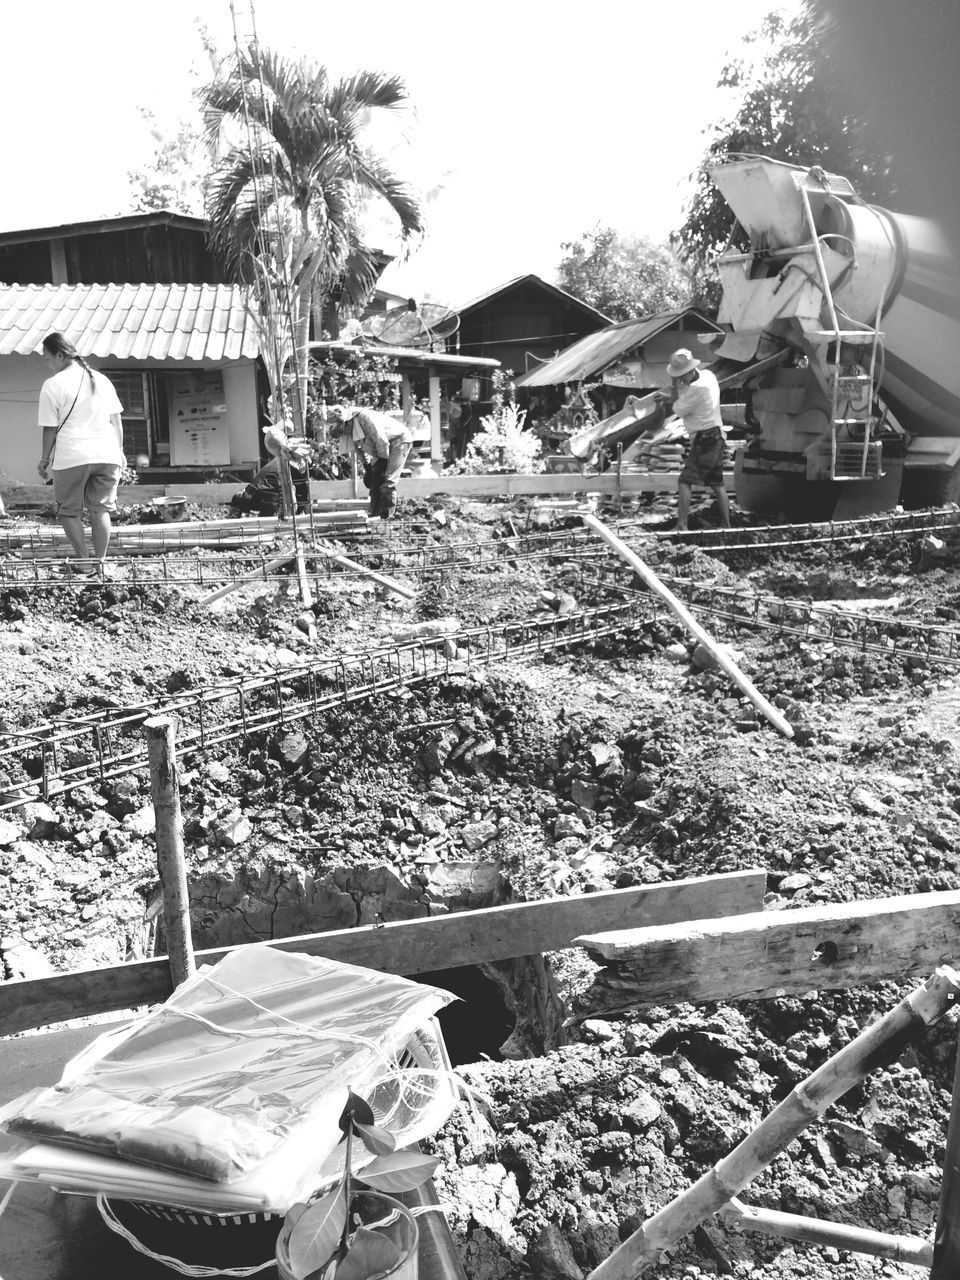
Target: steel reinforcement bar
(219,558)
(899,638)
(756,537)
(205,570)
(60,755)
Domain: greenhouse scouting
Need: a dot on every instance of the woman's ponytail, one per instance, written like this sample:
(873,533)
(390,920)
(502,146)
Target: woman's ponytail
(55,344)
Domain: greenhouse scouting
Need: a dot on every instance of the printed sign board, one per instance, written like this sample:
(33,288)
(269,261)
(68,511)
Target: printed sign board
(198,419)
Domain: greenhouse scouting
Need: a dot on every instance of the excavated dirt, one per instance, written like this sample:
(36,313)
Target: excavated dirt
(613,764)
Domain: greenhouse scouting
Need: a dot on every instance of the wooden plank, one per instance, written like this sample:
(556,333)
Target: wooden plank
(516,485)
(773,953)
(407,947)
(409,487)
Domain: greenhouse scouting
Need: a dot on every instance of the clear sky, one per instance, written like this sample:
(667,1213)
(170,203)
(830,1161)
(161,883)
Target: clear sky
(532,120)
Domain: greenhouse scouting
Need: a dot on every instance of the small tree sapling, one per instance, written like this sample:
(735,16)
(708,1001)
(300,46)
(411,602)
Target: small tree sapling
(326,1240)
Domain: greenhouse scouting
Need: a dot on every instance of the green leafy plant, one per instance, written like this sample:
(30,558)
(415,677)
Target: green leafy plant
(326,1239)
(502,444)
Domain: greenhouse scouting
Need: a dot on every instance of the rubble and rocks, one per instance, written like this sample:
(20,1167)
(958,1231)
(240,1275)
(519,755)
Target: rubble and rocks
(618,763)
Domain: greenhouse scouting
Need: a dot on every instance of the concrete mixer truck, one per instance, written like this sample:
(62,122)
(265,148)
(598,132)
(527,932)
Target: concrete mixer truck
(845,321)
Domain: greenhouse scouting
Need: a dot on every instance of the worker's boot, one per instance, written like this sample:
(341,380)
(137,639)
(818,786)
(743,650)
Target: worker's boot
(373,510)
(388,503)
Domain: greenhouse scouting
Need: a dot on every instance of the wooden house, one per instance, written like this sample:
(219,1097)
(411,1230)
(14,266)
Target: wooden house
(524,322)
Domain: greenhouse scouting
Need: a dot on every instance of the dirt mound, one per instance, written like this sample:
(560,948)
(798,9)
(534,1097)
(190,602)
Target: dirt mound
(619,761)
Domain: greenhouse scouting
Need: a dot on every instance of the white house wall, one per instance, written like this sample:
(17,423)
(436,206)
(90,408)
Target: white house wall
(22,376)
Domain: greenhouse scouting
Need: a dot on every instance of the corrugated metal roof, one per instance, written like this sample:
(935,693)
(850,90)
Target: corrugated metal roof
(598,350)
(131,321)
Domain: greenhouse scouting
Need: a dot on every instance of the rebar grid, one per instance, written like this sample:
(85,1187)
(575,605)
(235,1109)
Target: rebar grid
(890,637)
(231,561)
(201,571)
(751,537)
(61,755)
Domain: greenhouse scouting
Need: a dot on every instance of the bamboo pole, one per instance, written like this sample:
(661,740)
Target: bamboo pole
(171,863)
(237,583)
(794,1226)
(946,1244)
(880,1043)
(390,583)
(726,663)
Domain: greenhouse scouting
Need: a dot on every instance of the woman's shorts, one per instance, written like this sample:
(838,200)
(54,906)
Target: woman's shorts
(703,464)
(93,487)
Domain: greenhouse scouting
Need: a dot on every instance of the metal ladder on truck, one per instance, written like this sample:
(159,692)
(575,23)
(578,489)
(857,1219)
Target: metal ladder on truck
(847,389)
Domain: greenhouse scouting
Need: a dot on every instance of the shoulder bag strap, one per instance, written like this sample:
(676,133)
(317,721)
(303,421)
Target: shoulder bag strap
(63,422)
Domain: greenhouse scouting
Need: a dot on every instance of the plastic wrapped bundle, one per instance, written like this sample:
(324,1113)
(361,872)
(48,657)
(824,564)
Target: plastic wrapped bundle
(240,1078)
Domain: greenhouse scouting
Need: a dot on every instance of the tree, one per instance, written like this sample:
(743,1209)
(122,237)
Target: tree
(623,276)
(790,108)
(176,178)
(285,197)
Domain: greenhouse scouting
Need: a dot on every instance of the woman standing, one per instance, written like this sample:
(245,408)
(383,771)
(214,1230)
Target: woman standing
(82,447)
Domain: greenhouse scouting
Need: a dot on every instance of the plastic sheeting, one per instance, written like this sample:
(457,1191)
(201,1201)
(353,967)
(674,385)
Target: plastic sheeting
(244,1071)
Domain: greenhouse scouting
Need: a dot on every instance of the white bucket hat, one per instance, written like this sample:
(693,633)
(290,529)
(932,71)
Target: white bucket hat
(682,362)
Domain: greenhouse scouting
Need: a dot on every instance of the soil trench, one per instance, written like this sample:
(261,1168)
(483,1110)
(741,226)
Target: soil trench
(623,759)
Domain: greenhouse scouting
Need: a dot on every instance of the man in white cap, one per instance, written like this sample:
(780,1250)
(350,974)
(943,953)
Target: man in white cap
(384,443)
(696,399)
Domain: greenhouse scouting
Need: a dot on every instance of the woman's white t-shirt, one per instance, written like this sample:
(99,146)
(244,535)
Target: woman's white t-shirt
(87,435)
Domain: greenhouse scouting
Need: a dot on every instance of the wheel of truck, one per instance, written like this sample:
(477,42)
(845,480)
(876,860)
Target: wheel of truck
(930,487)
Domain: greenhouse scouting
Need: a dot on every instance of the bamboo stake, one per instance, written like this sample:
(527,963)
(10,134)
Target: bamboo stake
(794,1226)
(727,664)
(171,863)
(390,583)
(237,583)
(946,1245)
(878,1044)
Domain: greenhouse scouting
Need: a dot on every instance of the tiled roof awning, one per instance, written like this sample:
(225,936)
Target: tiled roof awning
(131,321)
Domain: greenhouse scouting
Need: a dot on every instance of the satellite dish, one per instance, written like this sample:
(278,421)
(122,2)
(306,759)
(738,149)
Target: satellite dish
(413,325)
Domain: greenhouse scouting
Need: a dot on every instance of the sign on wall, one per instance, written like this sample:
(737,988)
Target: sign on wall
(198,419)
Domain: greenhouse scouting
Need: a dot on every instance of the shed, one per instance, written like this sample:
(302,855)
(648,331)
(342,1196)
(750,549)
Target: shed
(448,380)
(182,357)
(153,248)
(632,354)
(524,322)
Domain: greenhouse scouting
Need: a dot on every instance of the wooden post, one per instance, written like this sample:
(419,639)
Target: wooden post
(946,1244)
(436,441)
(171,864)
(874,1047)
(680,611)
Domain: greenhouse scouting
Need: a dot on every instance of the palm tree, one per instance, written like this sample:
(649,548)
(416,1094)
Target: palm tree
(285,197)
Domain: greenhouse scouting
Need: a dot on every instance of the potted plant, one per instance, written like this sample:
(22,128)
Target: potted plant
(358,1231)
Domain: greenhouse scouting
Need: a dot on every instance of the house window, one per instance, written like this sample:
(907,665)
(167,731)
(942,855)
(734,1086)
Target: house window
(145,429)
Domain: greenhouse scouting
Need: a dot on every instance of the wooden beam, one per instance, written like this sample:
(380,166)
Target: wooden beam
(878,1044)
(773,953)
(497,486)
(516,485)
(407,947)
